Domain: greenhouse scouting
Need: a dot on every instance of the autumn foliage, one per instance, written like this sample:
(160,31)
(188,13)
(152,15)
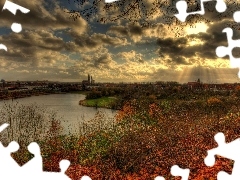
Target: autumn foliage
(149,137)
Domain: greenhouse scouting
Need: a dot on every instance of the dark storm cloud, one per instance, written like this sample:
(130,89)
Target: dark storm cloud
(104,60)
(34,39)
(132,29)
(97,40)
(210,43)
(134,32)
(33,46)
(176,49)
(135,29)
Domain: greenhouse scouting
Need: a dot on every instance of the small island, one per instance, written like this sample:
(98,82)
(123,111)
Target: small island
(102,102)
(100,95)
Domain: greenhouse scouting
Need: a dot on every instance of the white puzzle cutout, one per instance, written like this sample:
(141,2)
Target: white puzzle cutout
(11,170)
(33,169)
(12,7)
(16,27)
(177,171)
(110,1)
(2,46)
(227,150)
(222,51)
(182,9)
(33,166)
(6,161)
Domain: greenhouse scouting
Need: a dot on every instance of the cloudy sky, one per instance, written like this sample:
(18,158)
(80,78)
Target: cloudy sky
(125,41)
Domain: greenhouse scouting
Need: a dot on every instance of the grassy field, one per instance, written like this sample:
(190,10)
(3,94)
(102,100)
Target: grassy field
(104,102)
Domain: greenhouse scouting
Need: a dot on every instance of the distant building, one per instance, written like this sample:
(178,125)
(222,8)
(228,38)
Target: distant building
(92,81)
(88,82)
(3,82)
(195,85)
(85,82)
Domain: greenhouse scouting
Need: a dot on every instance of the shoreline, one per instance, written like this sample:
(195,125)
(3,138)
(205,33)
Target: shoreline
(103,102)
(19,95)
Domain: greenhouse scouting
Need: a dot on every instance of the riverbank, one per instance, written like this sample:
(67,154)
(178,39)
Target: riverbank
(66,107)
(16,94)
(103,102)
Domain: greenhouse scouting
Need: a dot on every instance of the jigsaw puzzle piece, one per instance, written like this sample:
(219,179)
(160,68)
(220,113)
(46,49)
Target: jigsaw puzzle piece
(159,178)
(12,7)
(226,150)
(110,1)
(182,9)
(177,171)
(222,51)
(6,161)
(234,176)
(87,178)
(223,176)
(34,165)
(5,125)
(221,6)
(2,46)
(236,16)
(64,164)
(16,27)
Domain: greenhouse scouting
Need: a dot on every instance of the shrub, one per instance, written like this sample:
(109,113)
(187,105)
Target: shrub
(27,123)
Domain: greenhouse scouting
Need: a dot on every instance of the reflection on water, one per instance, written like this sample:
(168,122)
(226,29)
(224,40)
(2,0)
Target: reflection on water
(67,107)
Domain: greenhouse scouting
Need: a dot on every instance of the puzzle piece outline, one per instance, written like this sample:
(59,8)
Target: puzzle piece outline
(182,9)
(33,169)
(227,150)
(110,1)
(16,27)
(222,51)
(177,171)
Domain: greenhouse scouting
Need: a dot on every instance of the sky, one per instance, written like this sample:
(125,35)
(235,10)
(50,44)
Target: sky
(116,42)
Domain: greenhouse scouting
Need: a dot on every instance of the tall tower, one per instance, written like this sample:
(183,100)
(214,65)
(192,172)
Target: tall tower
(198,80)
(89,79)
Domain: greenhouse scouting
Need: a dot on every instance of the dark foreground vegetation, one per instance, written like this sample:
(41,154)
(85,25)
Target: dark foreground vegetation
(152,132)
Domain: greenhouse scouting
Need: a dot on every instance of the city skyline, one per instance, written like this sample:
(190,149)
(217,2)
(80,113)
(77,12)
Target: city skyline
(52,46)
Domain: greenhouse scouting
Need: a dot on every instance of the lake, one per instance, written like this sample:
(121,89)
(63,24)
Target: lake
(67,108)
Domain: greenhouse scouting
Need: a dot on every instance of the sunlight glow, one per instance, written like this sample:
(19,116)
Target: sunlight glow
(197,28)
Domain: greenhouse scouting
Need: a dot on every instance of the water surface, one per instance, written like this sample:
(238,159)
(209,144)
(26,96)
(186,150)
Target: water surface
(67,108)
